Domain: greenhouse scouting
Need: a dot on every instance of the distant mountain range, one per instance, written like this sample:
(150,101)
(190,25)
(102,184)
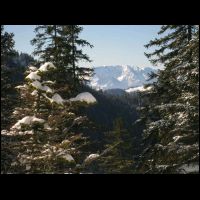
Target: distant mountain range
(122,77)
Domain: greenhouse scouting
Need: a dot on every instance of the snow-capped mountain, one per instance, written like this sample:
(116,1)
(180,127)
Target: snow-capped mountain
(119,76)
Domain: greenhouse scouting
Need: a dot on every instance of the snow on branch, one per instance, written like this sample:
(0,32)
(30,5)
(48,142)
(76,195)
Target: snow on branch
(28,120)
(57,98)
(91,157)
(33,76)
(46,66)
(32,68)
(84,97)
(39,86)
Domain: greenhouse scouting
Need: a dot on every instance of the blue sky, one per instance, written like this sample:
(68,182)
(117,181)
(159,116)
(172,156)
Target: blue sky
(113,44)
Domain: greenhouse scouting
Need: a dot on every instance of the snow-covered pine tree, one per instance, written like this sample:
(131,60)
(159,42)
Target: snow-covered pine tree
(50,46)
(59,44)
(46,137)
(172,126)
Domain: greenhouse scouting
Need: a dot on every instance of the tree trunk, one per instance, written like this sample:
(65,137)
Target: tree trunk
(189,38)
(55,43)
(189,33)
(73,57)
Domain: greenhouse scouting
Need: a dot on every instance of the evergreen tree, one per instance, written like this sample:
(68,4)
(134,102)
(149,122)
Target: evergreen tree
(46,137)
(172,126)
(80,74)
(59,44)
(7,45)
(7,50)
(51,47)
(49,44)
(116,158)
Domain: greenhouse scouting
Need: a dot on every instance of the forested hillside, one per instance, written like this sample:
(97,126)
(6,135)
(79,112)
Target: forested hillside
(53,121)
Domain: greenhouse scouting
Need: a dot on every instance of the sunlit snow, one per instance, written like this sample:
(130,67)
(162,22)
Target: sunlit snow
(85,96)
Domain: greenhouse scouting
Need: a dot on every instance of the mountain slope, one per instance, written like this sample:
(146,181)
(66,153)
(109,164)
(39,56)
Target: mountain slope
(119,76)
